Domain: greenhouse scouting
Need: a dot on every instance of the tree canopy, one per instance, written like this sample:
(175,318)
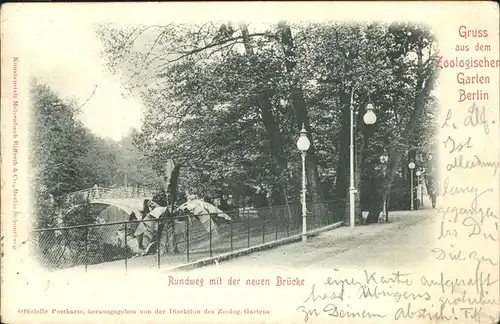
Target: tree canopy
(227,101)
(66,157)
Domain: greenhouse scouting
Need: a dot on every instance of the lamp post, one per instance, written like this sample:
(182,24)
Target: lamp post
(303,145)
(383,159)
(411,166)
(369,118)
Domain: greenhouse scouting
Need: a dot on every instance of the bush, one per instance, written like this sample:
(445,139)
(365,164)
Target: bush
(113,252)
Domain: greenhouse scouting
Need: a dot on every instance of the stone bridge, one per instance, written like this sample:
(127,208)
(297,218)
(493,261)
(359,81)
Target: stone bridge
(128,199)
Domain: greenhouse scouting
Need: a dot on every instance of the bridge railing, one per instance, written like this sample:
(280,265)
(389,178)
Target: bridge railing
(108,193)
(179,240)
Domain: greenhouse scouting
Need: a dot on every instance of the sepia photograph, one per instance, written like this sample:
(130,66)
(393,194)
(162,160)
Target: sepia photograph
(250,135)
(250,162)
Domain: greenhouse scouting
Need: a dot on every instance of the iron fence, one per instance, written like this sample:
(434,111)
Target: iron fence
(177,240)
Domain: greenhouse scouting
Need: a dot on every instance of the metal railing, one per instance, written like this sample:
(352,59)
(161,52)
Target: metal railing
(178,240)
(97,193)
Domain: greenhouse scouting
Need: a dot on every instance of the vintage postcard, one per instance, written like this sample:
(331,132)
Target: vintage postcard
(259,162)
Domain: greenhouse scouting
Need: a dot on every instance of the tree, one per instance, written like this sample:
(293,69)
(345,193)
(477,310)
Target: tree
(270,122)
(227,101)
(57,142)
(419,41)
(66,157)
(299,106)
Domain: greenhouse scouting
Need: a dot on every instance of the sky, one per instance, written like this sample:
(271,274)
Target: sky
(65,52)
(66,55)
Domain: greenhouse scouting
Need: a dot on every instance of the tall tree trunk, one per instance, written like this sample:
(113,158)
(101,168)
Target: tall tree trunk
(275,143)
(173,185)
(223,203)
(300,110)
(423,90)
(278,195)
(430,184)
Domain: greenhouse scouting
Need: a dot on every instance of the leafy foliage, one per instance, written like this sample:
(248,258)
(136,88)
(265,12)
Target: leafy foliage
(66,157)
(224,100)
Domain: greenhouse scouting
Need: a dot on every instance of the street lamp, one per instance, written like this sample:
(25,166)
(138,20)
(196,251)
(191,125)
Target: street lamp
(411,166)
(303,145)
(369,118)
(384,159)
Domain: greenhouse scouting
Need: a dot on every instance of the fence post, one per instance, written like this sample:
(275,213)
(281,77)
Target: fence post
(332,220)
(287,224)
(158,240)
(326,211)
(298,220)
(248,230)
(187,238)
(313,215)
(264,229)
(231,234)
(125,248)
(210,234)
(333,212)
(167,243)
(275,224)
(86,247)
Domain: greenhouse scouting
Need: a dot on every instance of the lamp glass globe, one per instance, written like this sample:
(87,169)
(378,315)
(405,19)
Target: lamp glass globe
(303,143)
(411,165)
(370,118)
